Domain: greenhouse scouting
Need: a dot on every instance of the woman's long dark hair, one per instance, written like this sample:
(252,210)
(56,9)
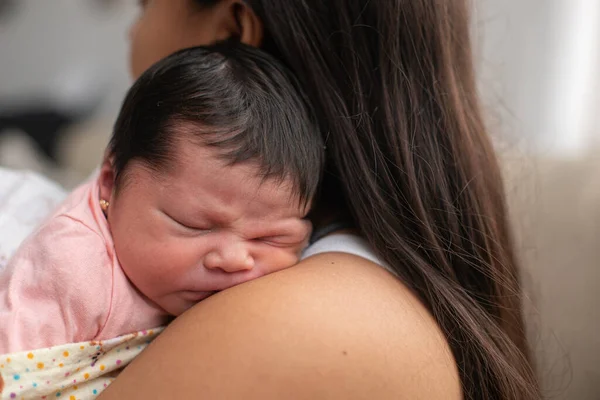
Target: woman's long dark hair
(393,84)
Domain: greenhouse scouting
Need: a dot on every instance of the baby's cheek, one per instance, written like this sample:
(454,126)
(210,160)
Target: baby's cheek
(160,260)
(281,259)
(182,263)
(177,258)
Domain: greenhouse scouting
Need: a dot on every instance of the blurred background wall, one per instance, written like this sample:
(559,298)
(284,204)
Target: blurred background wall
(66,51)
(63,63)
(539,73)
(539,65)
(63,75)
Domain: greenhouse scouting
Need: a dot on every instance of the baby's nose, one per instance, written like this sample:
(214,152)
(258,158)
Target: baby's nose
(229,258)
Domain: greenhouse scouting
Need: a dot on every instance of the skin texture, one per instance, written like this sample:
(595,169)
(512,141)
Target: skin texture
(165,26)
(333,326)
(304,333)
(201,226)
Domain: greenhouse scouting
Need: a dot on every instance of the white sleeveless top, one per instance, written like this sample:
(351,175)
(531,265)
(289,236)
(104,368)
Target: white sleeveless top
(345,243)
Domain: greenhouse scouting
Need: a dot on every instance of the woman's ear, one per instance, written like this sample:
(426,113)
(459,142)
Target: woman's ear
(106,180)
(237,19)
(250,26)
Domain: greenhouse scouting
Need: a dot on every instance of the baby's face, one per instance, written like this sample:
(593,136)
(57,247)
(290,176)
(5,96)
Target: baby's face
(202,227)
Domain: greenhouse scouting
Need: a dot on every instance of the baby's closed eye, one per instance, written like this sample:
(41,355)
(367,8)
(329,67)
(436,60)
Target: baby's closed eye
(295,236)
(280,241)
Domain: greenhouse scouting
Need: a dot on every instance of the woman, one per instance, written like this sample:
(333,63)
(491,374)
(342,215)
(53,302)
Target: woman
(410,170)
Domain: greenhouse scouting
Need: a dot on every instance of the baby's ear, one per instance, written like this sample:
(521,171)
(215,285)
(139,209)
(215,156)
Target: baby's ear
(106,180)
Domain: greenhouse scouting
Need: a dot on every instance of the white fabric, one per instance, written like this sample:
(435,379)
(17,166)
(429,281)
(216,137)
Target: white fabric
(344,243)
(26,199)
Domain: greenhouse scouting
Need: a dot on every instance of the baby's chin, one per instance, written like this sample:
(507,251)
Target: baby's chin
(178,303)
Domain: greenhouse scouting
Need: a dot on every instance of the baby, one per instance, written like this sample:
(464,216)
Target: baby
(212,166)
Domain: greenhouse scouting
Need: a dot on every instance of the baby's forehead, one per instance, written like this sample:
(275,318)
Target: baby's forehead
(199,178)
(213,166)
(193,142)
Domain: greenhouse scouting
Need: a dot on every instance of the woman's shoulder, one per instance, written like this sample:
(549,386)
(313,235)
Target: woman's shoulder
(334,326)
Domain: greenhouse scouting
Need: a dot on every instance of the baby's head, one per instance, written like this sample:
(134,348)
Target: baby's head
(212,167)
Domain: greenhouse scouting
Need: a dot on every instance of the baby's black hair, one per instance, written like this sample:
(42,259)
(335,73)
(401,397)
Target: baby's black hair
(229,96)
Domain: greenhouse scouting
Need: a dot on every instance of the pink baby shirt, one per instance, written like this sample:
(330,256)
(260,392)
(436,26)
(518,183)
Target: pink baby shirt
(64,284)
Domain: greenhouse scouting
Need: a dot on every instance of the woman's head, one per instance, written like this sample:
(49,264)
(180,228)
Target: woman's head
(393,86)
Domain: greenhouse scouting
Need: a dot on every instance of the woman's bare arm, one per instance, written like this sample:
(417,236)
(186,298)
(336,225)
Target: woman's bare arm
(335,326)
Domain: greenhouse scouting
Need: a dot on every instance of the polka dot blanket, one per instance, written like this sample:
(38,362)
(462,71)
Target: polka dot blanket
(76,371)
